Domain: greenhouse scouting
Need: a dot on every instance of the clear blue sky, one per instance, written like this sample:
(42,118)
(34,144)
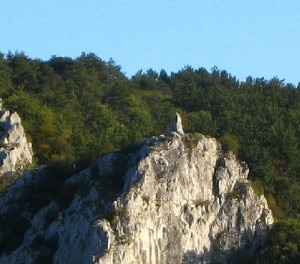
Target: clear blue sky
(260,38)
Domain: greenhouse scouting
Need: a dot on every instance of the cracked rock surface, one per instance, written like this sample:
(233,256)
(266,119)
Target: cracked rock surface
(15,150)
(174,199)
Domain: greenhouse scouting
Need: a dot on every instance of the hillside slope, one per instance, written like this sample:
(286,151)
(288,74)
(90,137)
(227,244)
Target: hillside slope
(176,198)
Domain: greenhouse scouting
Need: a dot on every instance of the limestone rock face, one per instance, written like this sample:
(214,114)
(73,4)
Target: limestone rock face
(15,150)
(172,200)
(187,202)
(177,125)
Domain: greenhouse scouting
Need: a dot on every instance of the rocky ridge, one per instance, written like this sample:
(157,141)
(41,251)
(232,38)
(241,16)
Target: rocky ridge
(176,198)
(15,150)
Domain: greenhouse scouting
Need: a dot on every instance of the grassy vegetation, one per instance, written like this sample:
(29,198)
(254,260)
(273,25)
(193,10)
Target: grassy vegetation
(201,203)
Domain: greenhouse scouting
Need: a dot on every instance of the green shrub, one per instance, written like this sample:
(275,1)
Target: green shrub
(146,199)
(120,212)
(201,202)
(283,244)
(234,195)
(7,180)
(257,186)
(230,142)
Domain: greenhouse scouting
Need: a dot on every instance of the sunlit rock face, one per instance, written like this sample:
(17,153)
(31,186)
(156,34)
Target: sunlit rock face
(176,126)
(174,199)
(15,150)
(187,202)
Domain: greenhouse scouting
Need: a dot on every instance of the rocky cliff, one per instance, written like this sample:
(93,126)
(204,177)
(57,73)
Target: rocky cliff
(176,198)
(15,151)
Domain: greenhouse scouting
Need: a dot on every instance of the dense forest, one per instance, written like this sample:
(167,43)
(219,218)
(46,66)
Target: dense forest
(85,107)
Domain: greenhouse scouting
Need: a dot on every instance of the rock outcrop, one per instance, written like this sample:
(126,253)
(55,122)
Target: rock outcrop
(176,126)
(15,150)
(174,199)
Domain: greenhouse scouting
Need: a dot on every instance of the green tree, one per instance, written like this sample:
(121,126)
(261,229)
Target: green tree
(282,246)
(200,121)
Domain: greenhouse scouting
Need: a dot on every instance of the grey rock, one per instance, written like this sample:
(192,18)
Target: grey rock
(183,201)
(176,126)
(15,151)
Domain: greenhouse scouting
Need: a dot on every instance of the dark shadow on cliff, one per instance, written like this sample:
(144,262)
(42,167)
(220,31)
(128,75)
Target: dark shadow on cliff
(245,253)
(223,257)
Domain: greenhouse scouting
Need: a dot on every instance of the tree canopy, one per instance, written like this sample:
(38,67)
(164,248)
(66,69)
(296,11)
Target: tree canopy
(86,107)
